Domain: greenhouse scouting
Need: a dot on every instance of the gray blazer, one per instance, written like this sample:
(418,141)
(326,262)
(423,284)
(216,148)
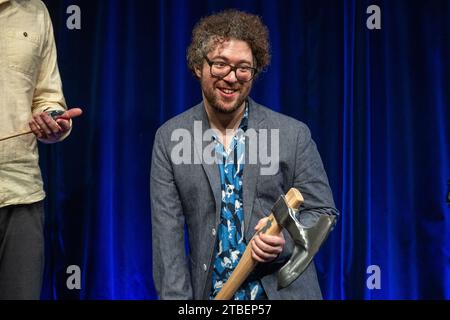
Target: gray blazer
(189,195)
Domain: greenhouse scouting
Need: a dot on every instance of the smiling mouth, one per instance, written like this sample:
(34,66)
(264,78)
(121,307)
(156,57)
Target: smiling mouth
(227,91)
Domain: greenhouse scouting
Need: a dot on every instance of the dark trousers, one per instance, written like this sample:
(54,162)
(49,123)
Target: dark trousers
(21,251)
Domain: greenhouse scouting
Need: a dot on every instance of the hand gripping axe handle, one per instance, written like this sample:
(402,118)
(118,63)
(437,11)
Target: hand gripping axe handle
(246,264)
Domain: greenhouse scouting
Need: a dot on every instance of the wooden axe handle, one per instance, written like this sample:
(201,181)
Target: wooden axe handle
(246,263)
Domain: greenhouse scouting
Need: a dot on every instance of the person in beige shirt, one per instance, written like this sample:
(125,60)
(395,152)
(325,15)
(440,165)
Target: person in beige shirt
(30,97)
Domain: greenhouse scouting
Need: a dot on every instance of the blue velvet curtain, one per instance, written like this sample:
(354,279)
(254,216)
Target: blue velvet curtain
(376,101)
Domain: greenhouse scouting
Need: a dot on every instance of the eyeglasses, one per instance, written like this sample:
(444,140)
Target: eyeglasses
(221,69)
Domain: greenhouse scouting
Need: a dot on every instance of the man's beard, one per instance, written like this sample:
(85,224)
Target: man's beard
(212,100)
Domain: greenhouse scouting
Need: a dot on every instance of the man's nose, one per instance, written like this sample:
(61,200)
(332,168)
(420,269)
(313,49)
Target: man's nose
(231,77)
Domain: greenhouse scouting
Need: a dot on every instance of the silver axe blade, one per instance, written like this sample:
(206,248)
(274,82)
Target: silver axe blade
(307,240)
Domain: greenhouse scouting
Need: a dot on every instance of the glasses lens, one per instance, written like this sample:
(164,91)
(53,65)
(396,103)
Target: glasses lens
(221,70)
(244,74)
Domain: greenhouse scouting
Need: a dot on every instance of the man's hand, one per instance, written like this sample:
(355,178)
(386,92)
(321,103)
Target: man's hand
(51,130)
(266,248)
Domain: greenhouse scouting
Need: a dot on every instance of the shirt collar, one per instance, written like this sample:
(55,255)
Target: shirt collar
(244,122)
(2,1)
(242,126)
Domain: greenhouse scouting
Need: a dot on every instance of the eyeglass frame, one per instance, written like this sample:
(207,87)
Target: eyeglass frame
(232,68)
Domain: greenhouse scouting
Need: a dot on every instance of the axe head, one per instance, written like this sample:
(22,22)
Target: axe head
(307,240)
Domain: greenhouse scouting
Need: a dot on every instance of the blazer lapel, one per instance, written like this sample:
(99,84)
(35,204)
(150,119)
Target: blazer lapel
(251,170)
(211,170)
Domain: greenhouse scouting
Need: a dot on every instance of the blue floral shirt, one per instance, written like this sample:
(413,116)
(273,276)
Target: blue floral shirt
(230,236)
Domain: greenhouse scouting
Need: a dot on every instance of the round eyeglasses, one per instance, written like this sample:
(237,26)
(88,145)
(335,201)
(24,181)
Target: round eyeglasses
(221,69)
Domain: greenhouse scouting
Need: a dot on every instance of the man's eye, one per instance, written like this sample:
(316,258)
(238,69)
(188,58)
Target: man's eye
(220,64)
(244,70)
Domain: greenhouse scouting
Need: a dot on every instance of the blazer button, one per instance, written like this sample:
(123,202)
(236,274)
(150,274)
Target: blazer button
(213,231)
(205,267)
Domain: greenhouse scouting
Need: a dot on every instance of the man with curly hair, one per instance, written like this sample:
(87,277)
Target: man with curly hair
(224,202)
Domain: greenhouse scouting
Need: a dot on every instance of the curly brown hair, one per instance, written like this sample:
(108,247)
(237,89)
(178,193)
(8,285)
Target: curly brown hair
(225,25)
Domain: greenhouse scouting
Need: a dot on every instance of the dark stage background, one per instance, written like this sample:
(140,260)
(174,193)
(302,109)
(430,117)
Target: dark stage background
(376,101)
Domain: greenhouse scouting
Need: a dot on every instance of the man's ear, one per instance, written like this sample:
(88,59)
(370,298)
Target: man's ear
(198,72)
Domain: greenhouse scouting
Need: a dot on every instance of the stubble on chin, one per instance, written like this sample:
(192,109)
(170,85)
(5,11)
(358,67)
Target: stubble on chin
(219,107)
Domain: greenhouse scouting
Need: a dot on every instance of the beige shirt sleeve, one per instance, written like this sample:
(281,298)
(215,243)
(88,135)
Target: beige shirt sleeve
(48,93)
(29,84)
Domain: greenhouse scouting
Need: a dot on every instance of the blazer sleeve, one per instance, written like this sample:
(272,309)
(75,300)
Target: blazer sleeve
(170,268)
(312,181)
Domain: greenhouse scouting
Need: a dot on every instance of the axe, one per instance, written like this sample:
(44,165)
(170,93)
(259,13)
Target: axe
(307,242)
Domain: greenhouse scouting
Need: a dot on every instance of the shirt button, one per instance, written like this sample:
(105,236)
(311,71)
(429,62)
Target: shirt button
(204,267)
(25,34)
(213,231)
